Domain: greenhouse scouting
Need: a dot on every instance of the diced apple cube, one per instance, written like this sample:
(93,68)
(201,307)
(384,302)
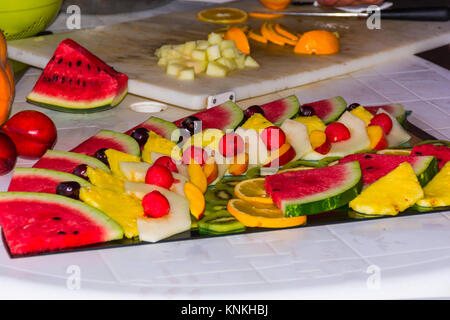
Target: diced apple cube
(179,48)
(240,61)
(199,55)
(189,47)
(199,66)
(162,62)
(173,69)
(214,38)
(229,53)
(251,63)
(229,63)
(215,69)
(164,51)
(173,54)
(225,44)
(213,52)
(202,44)
(186,74)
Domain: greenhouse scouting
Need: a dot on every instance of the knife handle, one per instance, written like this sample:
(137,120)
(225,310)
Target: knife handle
(417,14)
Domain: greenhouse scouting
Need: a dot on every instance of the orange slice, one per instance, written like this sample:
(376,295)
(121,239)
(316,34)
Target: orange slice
(269,35)
(262,215)
(317,42)
(240,39)
(259,15)
(252,34)
(222,15)
(285,33)
(252,190)
(275,4)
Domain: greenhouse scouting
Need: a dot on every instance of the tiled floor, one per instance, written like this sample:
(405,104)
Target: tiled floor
(328,261)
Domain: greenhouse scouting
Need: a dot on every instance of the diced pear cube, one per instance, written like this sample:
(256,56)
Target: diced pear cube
(229,53)
(240,61)
(202,44)
(199,55)
(162,62)
(229,63)
(213,52)
(225,44)
(199,66)
(251,63)
(189,47)
(173,69)
(214,38)
(186,74)
(215,69)
(163,52)
(174,54)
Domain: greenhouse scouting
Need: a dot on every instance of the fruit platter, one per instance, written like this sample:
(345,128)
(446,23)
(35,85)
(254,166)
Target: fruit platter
(218,172)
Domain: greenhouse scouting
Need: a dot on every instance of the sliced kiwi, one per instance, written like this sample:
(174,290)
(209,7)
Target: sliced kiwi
(194,223)
(219,195)
(219,222)
(230,181)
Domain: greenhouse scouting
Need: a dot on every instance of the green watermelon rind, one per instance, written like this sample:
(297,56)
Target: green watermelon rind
(171,131)
(339,107)
(328,200)
(237,115)
(293,105)
(88,160)
(113,230)
(425,168)
(130,144)
(58,175)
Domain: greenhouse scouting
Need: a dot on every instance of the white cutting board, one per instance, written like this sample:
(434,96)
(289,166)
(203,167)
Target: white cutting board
(129,47)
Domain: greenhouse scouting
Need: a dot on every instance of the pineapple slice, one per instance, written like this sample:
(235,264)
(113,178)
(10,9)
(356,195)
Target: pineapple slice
(363,114)
(103,179)
(437,191)
(115,157)
(312,123)
(391,194)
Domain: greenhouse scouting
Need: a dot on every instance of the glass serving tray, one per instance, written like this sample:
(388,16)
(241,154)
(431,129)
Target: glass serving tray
(341,215)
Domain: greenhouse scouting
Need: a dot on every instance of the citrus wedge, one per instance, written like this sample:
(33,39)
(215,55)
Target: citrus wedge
(261,215)
(252,190)
(285,33)
(222,15)
(254,35)
(397,152)
(259,15)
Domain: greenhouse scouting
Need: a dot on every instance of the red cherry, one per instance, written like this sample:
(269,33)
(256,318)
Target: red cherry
(231,144)
(32,132)
(159,176)
(8,154)
(324,148)
(194,154)
(273,137)
(382,120)
(155,204)
(167,162)
(337,131)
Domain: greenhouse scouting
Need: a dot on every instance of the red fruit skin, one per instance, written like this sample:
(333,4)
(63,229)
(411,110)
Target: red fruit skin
(159,176)
(382,120)
(167,162)
(155,205)
(336,132)
(33,133)
(382,144)
(273,137)
(8,154)
(231,144)
(194,154)
(324,148)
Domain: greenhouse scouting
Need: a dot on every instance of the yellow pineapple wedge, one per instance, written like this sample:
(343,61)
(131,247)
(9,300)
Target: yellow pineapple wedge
(121,207)
(115,157)
(103,179)
(437,191)
(391,194)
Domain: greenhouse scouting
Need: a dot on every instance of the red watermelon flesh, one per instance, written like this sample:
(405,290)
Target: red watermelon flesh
(109,140)
(164,128)
(75,80)
(329,110)
(225,116)
(39,222)
(442,153)
(41,180)
(280,110)
(67,161)
(396,110)
(375,166)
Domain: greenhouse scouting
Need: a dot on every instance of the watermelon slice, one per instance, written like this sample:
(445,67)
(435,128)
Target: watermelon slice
(109,140)
(306,192)
(280,110)
(162,127)
(41,180)
(329,110)
(225,116)
(67,161)
(442,153)
(375,166)
(40,222)
(396,110)
(75,80)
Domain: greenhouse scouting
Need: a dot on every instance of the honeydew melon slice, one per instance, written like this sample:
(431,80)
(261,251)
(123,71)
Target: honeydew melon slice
(155,229)
(297,136)
(397,136)
(359,140)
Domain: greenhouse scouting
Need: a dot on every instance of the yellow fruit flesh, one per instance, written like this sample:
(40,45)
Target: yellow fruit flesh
(437,191)
(257,122)
(312,123)
(391,194)
(158,144)
(114,157)
(103,179)
(252,190)
(363,114)
(121,207)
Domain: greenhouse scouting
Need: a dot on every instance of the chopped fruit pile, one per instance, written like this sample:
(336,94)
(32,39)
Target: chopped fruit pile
(223,170)
(215,57)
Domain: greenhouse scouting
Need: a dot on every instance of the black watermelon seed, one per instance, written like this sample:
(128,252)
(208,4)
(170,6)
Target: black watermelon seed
(56,218)
(70,64)
(63,79)
(55,78)
(98,69)
(89,66)
(369,168)
(70,81)
(60,60)
(439,160)
(75,232)
(84,83)
(61,232)
(78,82)
(418,153)
(53,58)
(368,157)
(275,189)
(78,63)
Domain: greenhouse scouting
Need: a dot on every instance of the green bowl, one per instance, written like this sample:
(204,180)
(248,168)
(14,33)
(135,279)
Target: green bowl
(25,18)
